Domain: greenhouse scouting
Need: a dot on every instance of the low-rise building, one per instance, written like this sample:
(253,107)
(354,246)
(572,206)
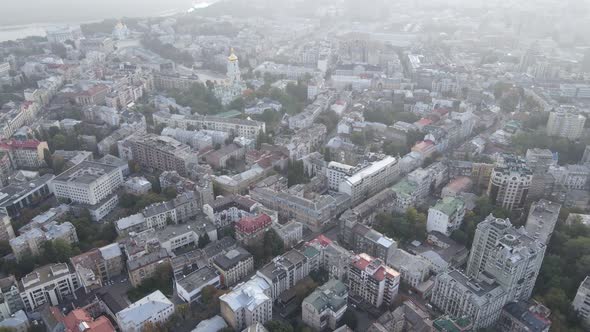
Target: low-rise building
(246,304)
(323,308)
(10,299)
(145,267)
(189,287)
(291,232)
(234,265)
(97,266)
(524,317)
(25,154)
(581,301)
(31,242)
(446,216)
(17,196)
(251,230)
(414,269)
(137,185)
(542,219)
(370,180)
(154,308)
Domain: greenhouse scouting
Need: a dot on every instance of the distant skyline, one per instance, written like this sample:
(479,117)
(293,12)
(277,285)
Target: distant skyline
(25,12)
(50,13)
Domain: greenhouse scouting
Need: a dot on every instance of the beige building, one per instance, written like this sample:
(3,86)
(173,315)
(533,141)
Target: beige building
(144,267)
(97,266)
(48,284)
(161,153)
(234,265)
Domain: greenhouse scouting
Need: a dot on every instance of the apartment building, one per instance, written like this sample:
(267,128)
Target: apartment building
(542,219)
(507,254)
(30,242)
(90,184)
(160,153)
(247,304)
(144,267)
(236,127)
(372,281)
(332,257)
(25,154)
(284,271)
(446,216)
(581,301)
(524,316)
(6,230)
(189,287)
(97,266)
(457,295)
(567,122)
(337,173)
(51,284)
(250,230)
(370,180)
(510,183)
(362,238)
(17,196)
(234,265)
(323,308)
(313,210)
(154,308)
(10,299)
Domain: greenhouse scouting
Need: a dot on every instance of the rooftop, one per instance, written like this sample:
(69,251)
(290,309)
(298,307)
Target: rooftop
(231,258)
(198,279)
(144,308)
(331,295)
(85,172)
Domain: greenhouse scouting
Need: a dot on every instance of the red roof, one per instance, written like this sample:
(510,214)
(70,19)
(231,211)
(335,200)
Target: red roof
(441,111)
(253,224)
(14,144)
(424,122)
(79,320)
(361,263)
(321,240)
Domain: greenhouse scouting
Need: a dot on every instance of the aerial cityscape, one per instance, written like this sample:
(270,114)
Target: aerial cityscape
(295,166)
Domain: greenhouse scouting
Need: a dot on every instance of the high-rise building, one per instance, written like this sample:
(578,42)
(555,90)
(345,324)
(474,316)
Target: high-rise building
(507,254)
(566,122)
(284,271)
(510,183)
(542,219)
(234,265)
(582,300)
(373,281)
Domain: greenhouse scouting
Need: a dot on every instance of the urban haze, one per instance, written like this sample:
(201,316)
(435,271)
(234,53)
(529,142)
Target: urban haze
(295,166)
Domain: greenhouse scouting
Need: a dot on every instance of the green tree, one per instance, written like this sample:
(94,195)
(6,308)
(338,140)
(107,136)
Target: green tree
(278,326)
(204,240)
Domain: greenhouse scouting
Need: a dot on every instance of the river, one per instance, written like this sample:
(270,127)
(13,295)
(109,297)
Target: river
(23,18)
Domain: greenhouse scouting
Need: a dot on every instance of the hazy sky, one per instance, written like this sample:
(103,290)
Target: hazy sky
(15,12)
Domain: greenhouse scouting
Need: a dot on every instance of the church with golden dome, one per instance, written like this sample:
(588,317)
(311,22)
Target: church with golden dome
(232,87)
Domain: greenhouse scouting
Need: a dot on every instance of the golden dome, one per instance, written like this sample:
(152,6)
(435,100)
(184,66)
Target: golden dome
(232,57)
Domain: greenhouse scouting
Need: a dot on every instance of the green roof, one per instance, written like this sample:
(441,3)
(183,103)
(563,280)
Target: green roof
(447,324)
(332,294)
(449,205)
(229,114)
(310,251)
(404,187)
